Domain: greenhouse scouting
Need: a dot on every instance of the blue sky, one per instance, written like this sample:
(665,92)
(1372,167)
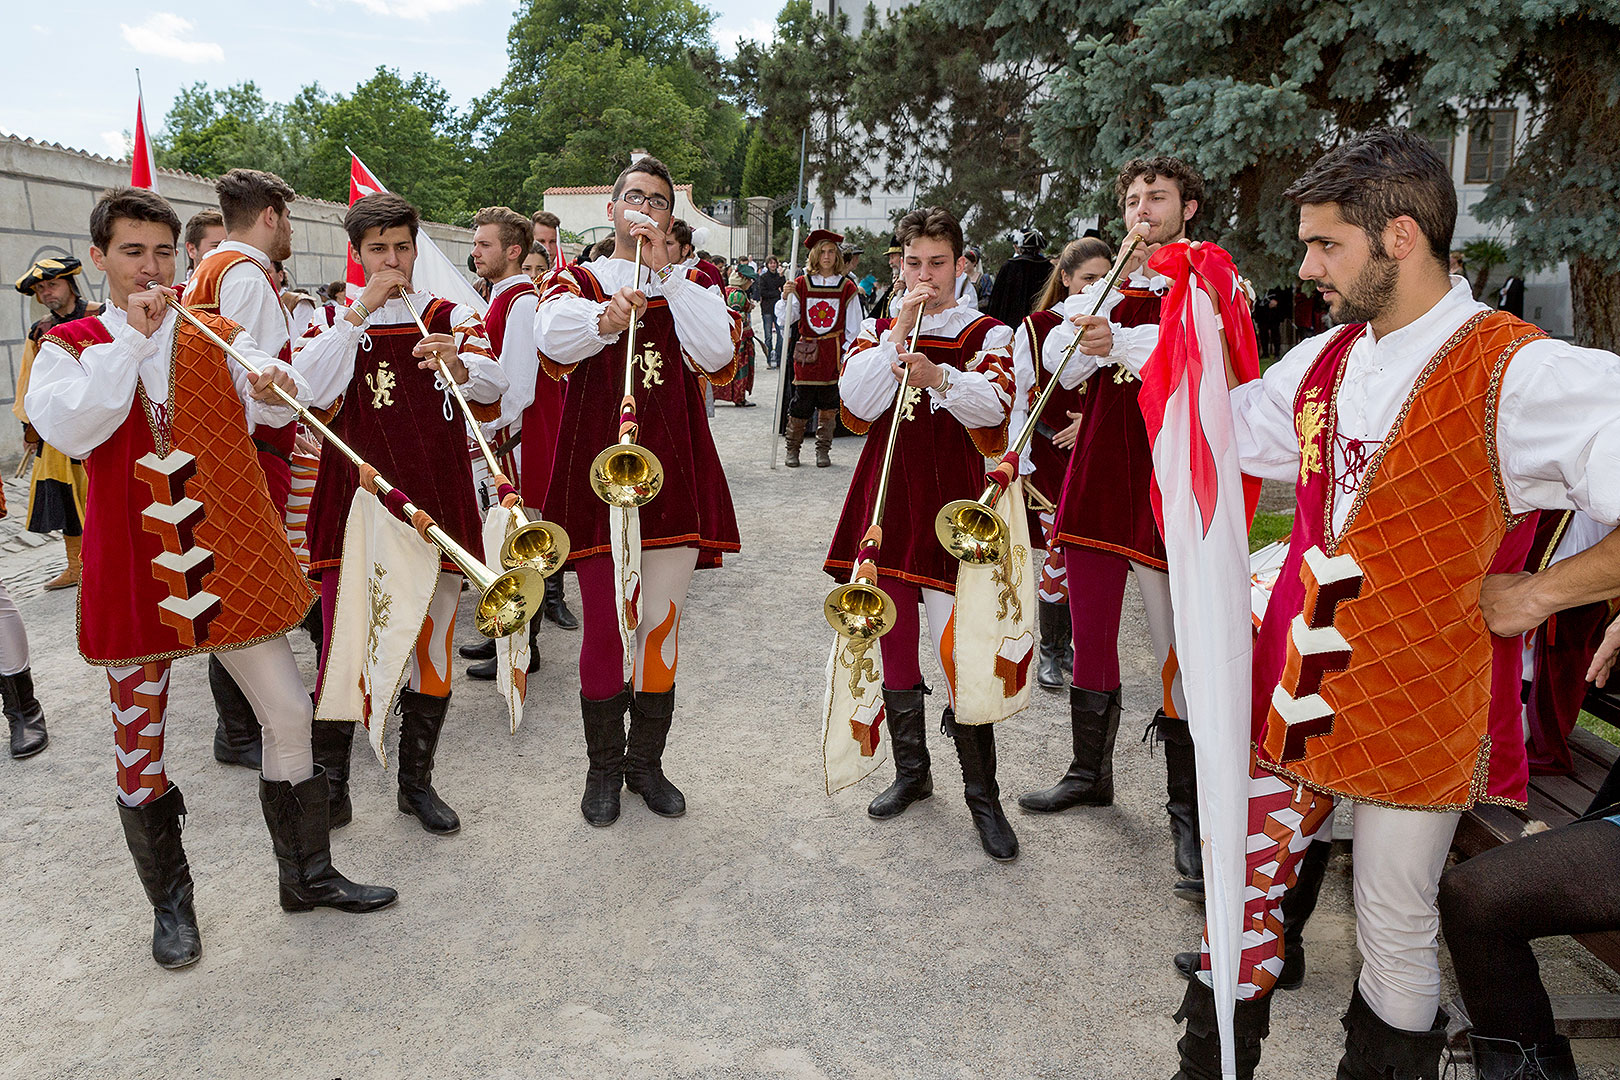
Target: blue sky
(69,75)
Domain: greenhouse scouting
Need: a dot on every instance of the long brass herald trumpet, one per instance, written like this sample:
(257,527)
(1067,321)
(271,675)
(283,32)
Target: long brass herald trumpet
(540,544)
(970,529)
(625,474)
(506,602)
(861,609)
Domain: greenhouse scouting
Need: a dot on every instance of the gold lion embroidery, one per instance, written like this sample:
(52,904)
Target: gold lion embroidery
(1122,376)
(908,407)
(652,367)
(862,668)
(382,385)
(1312,419)
(1008,575)
(382,604)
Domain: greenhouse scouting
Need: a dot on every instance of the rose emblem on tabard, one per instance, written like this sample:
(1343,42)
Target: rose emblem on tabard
(823,315)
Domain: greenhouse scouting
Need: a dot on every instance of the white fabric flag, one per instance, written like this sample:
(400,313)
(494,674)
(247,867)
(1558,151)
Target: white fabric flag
(624,530)
(993,639)
(511,651)
(854,739)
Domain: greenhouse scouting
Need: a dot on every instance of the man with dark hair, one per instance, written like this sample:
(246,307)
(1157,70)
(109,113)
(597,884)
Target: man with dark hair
(404,421)
(205,231)
(685,331)
(1421,435)
(135,386)
(1105,520)
(544,225)
(964,362)
(237,280)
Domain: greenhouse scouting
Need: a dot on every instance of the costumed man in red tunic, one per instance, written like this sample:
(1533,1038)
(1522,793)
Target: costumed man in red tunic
(823,312)
(685,329)
(396,412)
(955,416)
(183,553)
(235,279)
(1105,519)
(534,404)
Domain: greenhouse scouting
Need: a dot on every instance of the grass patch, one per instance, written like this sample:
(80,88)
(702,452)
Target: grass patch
(1269,528)
(1601,728)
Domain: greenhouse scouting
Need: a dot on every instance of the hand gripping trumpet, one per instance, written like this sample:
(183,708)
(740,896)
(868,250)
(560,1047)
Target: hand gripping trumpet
(970,529)
(861,609)
(540,544)
(627,475)
(506,601)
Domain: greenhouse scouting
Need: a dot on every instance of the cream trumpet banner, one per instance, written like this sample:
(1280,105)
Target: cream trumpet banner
(854,739)
(511,651)
(994,624)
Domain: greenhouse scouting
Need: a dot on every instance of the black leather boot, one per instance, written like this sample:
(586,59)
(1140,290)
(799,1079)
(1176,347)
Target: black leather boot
(485,671)
(332,742)
(421,720)
(1504,1059)
(236,733)
(1056,640)
(1181,785)
(556,605)
(650,717)
(24,713)
(1094,721)
(1297,905)
(152,832)
(604,745)
(300,833)
(1200,1045)
(903,714)
(976,750)
(484,650)
(1375,1051)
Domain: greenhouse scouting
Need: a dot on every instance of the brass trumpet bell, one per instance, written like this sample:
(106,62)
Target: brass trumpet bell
(626,475)
(859,610)
(506,601)
(542,545)
(972,532)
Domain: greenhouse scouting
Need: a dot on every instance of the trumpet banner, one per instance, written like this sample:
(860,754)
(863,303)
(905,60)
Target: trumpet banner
(385,584)
(993,627)
(624,531)
(853,742)
(511,651)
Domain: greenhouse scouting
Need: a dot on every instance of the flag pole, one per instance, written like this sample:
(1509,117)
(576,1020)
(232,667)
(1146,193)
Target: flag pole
(793,253)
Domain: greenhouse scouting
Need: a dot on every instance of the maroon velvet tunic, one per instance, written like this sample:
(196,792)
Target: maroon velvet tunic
(936,460)
(693,509)
(1105,503)
(822,315)
(401,429)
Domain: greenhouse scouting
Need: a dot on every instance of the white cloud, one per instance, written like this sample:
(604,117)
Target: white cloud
(414,9)
(115,145)
(727,33)
(168,35)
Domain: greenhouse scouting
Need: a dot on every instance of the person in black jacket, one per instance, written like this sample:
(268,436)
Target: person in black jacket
(1020,281)
(767,291)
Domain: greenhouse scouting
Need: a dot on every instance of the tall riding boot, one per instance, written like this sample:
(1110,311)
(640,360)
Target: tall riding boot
(152,832)
(903,713)
(604,745)
(236,733)
(1297,904)
(1375,1051)
(1200,1046)
(332,742)
(1056,636)
(421,720)
(976,750)
(1504,1059)
(795,439)
(69,577)
(826,428)
(556,605)
(300,833)
(650,717)
(24,713)
(1181,785)
(1094,721)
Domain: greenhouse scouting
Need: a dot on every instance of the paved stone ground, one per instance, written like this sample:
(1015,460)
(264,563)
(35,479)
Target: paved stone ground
(772,932)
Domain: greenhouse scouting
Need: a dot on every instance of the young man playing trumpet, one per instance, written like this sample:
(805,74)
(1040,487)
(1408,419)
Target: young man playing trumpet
(955,417)
(395,410)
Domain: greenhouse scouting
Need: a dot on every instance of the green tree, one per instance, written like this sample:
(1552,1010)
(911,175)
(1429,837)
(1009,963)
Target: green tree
(659,31)
(210,131)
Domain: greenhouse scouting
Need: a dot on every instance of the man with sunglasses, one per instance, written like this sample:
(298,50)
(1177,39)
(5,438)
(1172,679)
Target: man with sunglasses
(684,331)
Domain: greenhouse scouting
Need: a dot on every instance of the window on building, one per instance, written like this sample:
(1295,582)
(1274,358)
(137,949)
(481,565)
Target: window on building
(1490,146)
(1445,147)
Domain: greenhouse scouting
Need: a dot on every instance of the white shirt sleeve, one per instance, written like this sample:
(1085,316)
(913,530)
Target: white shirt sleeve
(1558,430)
(787,311)
(273,413)
(486,382)
(973,398)
(1263,413)
(246,298)
(565,328)
(867,386)
(1081,366)
(702,321)
(326,361)
(521,362)
(853,319)
(76,405)
(1023,366)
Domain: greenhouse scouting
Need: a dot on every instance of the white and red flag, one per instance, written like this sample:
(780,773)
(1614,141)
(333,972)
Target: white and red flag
(1204,505)
(142,162)
(434,272)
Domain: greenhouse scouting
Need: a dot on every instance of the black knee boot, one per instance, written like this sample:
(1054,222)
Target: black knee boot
(556,605)
(1297,904)
(1504,1059)
(300,834)
(1200,1045)
(1375,1051)
(976,750)
(604,745)
(236,733)
(24,713)
(152,832)
(332,743)
(650,717)
(421,720)
(1057,640)
(1181,786)
(903,716)
(1094,722)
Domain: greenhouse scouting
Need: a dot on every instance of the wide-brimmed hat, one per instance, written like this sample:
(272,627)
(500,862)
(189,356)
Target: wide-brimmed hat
(821,235)
(57,266)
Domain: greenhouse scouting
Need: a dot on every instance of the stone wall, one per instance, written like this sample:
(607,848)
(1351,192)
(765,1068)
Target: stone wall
(46,193)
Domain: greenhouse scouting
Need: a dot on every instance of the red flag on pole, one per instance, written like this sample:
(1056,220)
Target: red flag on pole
(361,184)
(434,271)
(142,165)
